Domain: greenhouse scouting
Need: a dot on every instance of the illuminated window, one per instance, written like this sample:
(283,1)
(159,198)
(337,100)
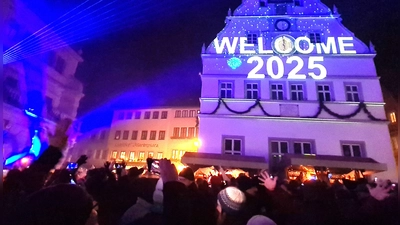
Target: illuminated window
(252,38)
(156,114)
(324,92)
(176,132)
(131,156)
(134,135)
(352,93)
(184,113)
(352,150)
(183,133)
(141,156)
(174,154)
(159,155)
(277,150)
(191,132)
(297,92)
(147,115)
(128,115)
(315,38)
(303,148)
(252,91)
(121,115)
(393,118)
(153,135)
(150,154)
(192,113)
(164,114)
(226,90)
(232,146)
(122,155)
(161,135)
(277,92)
(144,135)
(137,115)
(177,113)
(181,153)
(125,135)
(114,154)
(117,135)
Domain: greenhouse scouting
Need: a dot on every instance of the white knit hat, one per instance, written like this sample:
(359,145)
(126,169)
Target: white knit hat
(231,199)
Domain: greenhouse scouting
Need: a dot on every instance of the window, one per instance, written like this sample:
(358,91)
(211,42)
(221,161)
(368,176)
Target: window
(315,38)
(150,154)
(122,155)
(252,39)
(137,115)
(153,135)
(263,3)
(192,113)
(191,132)
(233,146)
(351,150)
(144,135)
(156,114)
(277,91)
(161,135)
(125,135)
(181,153)
(128,115)
(114,154)
(117,135)
(393,118)
(280,9)
(278,149)
(164,114)
(176,132)
(97,154)
(141,156)
(184,113)
(60,65)
(174,154)
(352,93)
(120,115)
(159,155)
(177,113)
(183,133)
(324,92)
(297,92)
(226,90)
(252,91)
(134,135)
(104,154)
(102,135)
(147,115)
(131,156)
(303,148)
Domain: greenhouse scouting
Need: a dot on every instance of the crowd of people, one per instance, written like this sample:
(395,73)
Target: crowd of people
(36,196)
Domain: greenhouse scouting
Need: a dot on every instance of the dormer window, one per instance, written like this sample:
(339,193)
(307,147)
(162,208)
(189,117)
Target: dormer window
(252,38)
(315,38)
(263,3)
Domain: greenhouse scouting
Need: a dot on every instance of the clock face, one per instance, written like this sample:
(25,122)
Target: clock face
(282,25)
(283,44)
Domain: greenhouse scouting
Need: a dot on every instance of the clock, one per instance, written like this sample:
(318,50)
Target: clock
(282,25)
(283,44)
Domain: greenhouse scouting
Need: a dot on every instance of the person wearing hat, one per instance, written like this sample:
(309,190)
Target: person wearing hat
(230,203)
(186,177)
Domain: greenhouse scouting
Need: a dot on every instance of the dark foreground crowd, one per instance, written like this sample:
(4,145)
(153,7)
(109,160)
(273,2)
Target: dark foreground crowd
(34,196)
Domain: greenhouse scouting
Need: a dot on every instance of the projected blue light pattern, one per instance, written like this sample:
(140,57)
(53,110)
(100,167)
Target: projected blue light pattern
(234,63)
(90,19)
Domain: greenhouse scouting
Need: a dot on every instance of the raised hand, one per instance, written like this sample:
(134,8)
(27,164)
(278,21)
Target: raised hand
(168,171)
(380,192)
(82,160)
(268,182)
(60,137)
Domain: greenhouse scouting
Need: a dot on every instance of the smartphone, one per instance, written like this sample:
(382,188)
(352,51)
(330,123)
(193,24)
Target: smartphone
(72,166)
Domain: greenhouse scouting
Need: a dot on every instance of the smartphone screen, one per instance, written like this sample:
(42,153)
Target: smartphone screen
(72,166)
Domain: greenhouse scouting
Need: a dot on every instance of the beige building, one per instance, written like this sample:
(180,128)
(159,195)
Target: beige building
(159,133)
(44,83)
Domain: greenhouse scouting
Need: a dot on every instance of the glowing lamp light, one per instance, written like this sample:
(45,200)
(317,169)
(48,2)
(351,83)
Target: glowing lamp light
(234,63)
(25,160)
(197,143)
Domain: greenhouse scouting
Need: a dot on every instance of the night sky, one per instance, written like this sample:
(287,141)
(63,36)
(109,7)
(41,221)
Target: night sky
(157,61)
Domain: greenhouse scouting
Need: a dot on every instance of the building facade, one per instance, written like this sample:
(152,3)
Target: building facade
(286,79)
(157,133)
(38,90)
(391,108)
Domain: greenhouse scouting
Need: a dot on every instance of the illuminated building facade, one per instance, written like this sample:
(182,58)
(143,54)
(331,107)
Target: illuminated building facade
(158,133)
(287,82)
(391,108)
(39,89)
